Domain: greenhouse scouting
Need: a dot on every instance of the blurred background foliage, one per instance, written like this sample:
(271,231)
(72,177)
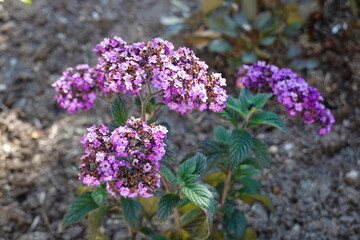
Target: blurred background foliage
(244,31)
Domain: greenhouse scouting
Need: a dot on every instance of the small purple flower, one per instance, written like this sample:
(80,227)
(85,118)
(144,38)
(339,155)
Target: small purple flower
(76,88)
(292,91)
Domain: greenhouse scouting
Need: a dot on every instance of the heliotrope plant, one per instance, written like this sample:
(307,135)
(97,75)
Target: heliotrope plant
(127,165)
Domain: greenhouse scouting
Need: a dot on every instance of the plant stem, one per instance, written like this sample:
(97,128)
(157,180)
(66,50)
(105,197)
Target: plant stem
(132,234)
(178,223)
(226,187)
(145,102)
(223,200)
(176,210)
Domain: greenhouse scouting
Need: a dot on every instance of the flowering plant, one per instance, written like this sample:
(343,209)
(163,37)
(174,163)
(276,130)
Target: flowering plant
(129,163)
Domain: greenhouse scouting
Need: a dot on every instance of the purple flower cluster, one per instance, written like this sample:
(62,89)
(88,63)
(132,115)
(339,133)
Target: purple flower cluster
(179,76)
(291,90)
(75,90)
(127,160)
(184,84)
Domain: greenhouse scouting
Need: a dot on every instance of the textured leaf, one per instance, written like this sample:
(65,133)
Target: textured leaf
(200,195)
(213,151)
(260,150)
(268,118)
(166,205)
(95,221)
(222,135)
(240,146)
(119,112)
(260,99)
(235,224)
(150,206)
(133,212)
(230,115)
(192,168)
(78,209)
(169,175)
(236,105)
(196,223)
(100,196)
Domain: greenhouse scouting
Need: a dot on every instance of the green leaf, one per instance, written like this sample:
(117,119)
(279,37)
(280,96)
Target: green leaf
(166,205)
(223,24)
(250,8)
(236,105)
(252,161)
(219,45)
(268,118)
(197,224)
(251,198)
(200,195)
(194,166)
(213,151)
(246,94)
(222,135)
(251,185)
(113,126)
(249,57)
(100,196)
(169,175)
(78,209)
(215,178)
(95,221)
(235,224)
(150,206)
(247,170)
(260,151)
(133,212)
(266,41)
(240,146)
(263,20)
(119,112)
(230,115)
(260,99)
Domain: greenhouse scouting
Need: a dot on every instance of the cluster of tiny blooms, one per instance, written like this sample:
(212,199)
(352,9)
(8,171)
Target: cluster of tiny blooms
(75,90)
(127,160)
(180,78)
(291,90)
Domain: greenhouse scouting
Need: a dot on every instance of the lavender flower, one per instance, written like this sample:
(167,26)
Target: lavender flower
(75,90)
(292,91)
(179,75)
(184,83)
(127,160)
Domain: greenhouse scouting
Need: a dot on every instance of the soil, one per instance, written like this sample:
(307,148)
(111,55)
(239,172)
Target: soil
(314,182)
